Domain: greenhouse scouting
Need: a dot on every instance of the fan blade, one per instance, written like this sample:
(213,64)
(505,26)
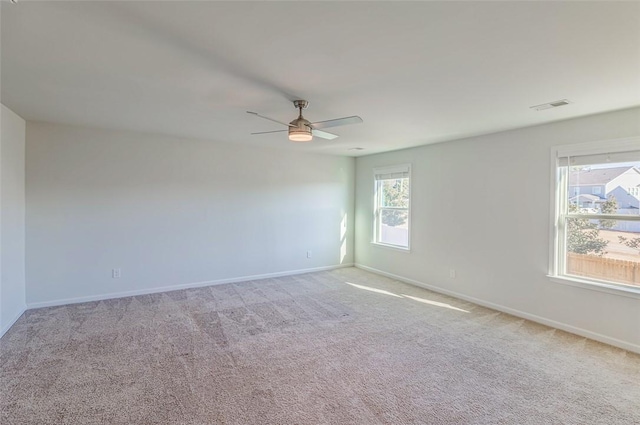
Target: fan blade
(323,134)
(338,121)
(266,132)
(270,119)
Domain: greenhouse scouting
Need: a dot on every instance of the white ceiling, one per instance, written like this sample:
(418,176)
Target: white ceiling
(417,73)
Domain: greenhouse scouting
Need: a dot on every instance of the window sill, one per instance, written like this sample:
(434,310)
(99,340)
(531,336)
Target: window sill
(597,286)
(392,247)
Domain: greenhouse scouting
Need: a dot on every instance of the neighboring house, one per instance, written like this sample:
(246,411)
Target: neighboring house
(590,187)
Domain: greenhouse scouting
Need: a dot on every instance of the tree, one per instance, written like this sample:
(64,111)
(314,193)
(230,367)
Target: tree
(609,207)
(631,243)
(583,236)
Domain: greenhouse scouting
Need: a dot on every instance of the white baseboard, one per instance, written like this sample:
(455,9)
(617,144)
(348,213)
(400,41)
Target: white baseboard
(524,315)
(100,297)
(6,327)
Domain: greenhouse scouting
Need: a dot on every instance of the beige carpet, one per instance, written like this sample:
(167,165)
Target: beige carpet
(338,347)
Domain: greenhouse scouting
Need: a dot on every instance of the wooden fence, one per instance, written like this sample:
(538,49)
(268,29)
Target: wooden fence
(605,268)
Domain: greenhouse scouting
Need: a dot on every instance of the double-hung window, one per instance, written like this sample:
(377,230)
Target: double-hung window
(391,212)
(596,236)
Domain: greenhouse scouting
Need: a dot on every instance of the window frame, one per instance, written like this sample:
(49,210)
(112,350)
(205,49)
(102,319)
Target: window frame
(557,252)
(377,208)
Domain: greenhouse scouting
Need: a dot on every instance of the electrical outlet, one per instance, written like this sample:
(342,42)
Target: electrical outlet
(308,254)
(116,273)
(452,273)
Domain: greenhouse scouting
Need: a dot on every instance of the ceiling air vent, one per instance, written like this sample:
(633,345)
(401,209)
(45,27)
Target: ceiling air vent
(550,105)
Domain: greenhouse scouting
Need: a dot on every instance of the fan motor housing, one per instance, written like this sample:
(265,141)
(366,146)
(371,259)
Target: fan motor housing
(301,123)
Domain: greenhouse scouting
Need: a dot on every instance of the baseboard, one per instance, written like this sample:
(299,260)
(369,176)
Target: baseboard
(524,315)
(6,327)
(100,297)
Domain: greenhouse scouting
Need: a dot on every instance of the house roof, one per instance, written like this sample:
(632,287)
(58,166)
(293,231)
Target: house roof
(596,176)
(586,197)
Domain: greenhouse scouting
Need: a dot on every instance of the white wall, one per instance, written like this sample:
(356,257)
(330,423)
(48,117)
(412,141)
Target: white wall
(170,211)
(12,218)
(481,206)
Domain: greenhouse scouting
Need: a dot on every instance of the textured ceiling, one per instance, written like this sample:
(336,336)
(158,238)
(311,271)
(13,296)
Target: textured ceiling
(417,73)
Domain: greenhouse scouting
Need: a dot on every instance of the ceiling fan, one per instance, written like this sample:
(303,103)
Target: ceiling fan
(302,130)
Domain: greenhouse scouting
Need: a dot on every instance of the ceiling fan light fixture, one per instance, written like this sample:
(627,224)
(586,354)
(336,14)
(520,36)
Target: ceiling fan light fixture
(297,134)
(301,130)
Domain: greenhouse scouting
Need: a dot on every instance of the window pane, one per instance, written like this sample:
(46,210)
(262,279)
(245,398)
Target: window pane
(392,205)
(394,193)
(611,254)
(606,188)
(394,227)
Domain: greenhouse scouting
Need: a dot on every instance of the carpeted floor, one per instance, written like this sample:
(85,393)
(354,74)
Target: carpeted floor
(337,347)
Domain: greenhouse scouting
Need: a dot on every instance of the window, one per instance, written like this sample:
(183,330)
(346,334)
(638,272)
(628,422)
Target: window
(597,246)
(597,190)
(391,212)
